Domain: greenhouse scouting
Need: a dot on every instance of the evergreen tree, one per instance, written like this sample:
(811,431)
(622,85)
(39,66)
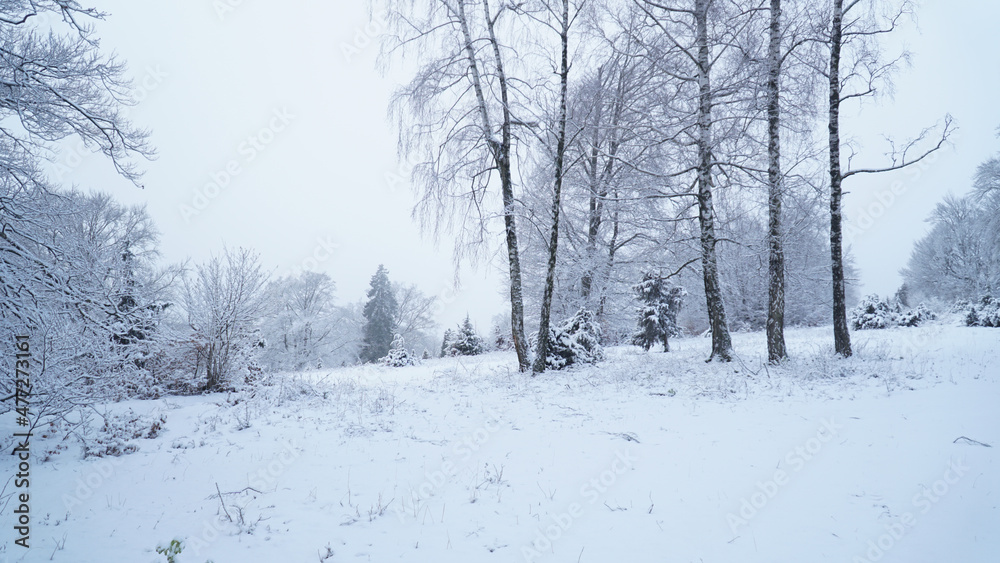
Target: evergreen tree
(576,341)
(447,343)
(467,342)
(463,342)
(380,317)
(661,301)
(398,356)
(132,322)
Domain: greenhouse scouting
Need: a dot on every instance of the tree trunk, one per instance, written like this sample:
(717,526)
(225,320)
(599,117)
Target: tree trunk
(543,325)
(600,179)
(213,368)
(514,263)
(596,197)
(776,258)
(612,250)
(507,187)
(501,151)
(841,335)
(721,342)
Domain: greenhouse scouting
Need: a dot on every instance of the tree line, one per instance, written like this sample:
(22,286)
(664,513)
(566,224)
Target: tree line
(959,259)
(81,273)
(608,140)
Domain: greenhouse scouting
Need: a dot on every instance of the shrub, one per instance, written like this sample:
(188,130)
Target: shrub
(115,436)
(876,313)
(576,341)
(872,313)
(986,312)
(463,342)
(501,338)
(915,317)
(398,355)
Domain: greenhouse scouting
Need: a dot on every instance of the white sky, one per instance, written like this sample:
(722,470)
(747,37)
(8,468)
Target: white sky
(215,81)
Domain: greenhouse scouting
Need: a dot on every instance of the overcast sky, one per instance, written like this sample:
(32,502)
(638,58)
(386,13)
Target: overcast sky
(214,80)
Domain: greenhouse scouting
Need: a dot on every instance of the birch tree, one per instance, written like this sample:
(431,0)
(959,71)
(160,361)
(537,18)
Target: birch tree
(704,35)
(457,121)
(789,34)
(857,69)
(560,13)
(616,107)
(776,255)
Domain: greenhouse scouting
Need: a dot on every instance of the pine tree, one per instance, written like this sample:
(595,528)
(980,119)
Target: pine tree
(577,340)
(467,342)
(398,356)
(132,323)
(463,342)
(657,322)
(380,317)
(447,343)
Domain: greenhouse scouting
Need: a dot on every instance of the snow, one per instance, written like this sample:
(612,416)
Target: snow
(644,457)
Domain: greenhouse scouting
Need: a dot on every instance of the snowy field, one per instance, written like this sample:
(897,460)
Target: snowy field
(646,457)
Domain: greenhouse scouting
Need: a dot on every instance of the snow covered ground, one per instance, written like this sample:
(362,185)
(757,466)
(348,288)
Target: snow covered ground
(646,457)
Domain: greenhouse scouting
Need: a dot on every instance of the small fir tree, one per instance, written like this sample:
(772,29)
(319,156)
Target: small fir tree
(467,342)
(447,342)
(576,340)
(657,320)
(398,356)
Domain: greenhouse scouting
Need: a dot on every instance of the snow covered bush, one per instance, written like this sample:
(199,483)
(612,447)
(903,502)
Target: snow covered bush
(576,341)
(224,302)
(463,342)
(986,312)
(449,338)
(872,313)
(398,355)
(115,436)
(876,313)
(915,317)
(657,321)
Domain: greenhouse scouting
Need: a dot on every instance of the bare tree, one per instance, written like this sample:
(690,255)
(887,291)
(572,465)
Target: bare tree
(958,258)
(856,69)
(55,83)
(561,14)
(304,328)
(705,39)
(789,32)
(415,319)
(224,303)
(457,117)
(607,138)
